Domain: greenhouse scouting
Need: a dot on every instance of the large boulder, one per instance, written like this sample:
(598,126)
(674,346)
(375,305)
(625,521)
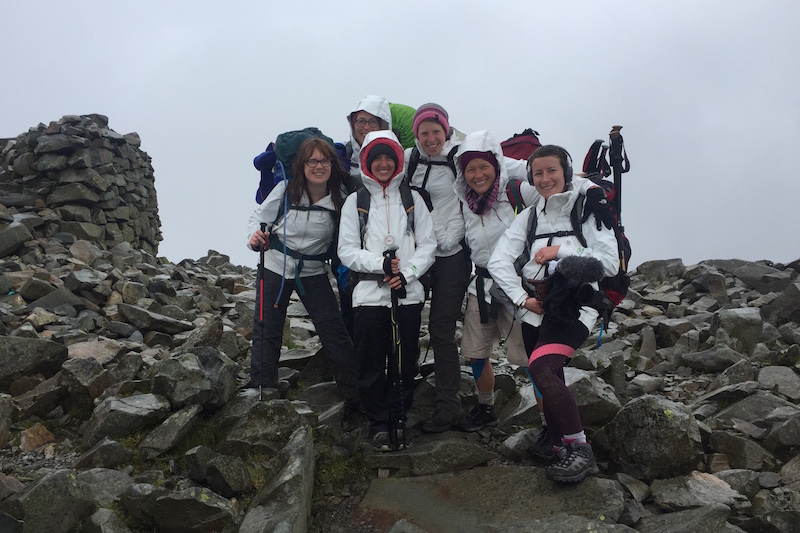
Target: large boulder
(652,437)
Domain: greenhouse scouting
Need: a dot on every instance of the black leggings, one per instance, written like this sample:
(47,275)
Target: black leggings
(551,345)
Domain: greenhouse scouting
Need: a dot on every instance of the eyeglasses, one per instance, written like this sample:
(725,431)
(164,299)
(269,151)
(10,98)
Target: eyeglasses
(373,122)
(314,162)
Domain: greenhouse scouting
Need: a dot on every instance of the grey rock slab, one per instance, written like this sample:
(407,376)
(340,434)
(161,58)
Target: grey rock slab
(667,438)
(105,484)
(105,521)
(105,454)
(784,378)
(194,510)
(228,476)
(437,502)
(447,455)
(284,502)
(696,490)
(148,320)
(706,519)
(24,357)
(57,502)
(120,417)
(171,432)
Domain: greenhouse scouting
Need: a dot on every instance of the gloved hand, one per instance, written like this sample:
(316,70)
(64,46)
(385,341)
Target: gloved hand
(597,204)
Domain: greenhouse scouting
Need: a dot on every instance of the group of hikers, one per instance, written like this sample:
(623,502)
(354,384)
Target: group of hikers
(404,225)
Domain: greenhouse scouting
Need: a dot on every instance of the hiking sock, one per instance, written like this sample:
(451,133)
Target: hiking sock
(578,438)
(486,398)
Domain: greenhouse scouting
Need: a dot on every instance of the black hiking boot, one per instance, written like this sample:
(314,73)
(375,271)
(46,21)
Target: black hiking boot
(576,466)
(439,422)
(542,449)
(481,416)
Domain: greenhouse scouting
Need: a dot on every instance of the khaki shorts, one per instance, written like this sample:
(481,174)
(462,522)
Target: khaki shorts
(477,340)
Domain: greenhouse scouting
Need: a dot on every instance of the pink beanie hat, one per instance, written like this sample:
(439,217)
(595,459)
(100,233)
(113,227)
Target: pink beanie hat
(431,112)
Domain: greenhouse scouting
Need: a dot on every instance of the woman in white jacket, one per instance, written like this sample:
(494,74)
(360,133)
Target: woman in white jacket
(555,339)
(301,217)
(449,274)
(387,229)
(482,171)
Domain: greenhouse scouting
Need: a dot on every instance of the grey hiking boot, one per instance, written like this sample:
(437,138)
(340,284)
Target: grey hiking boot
(542,449)
(481,416)
(381,442)
(439,422)
(575,466)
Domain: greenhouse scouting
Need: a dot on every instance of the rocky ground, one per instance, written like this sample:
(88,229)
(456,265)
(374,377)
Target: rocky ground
(119,376)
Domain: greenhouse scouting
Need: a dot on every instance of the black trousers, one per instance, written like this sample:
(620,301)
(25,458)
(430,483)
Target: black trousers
(379,365)
(322,307)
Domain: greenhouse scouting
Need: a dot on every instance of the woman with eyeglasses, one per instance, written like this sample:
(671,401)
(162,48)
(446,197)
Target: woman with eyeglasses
(371,114)
(302,218)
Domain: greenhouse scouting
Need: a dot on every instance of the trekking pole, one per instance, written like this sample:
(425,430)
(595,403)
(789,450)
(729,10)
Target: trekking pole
(396,404)
(261,269)
(619,164)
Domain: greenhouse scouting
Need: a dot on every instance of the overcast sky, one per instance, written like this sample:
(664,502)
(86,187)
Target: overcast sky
(707,93)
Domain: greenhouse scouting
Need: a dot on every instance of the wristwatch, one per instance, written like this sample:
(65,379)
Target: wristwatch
(522,305)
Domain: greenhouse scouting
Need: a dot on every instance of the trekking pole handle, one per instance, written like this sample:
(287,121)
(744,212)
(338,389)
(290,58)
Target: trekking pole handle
(615,132)
(391,254)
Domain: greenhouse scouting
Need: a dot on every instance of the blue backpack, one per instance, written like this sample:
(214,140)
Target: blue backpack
(275,163)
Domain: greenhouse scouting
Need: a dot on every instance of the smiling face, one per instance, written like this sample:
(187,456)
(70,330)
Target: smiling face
(431,137)
(364,123)
(548,176)
(480,175)
(383,168)
(320,173)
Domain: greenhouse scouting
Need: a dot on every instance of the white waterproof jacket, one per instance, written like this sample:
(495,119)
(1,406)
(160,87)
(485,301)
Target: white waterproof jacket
(374,105)
(387,222)
(448,224)
(553,215)
(306,232)
(483,231)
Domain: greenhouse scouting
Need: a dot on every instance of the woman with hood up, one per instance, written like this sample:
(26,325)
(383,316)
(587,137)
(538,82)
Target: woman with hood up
(488,212)
(556,328)
(388,258)
(372,113)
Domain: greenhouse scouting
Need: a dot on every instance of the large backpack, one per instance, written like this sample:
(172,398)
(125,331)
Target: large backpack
(275,162)
(521,145)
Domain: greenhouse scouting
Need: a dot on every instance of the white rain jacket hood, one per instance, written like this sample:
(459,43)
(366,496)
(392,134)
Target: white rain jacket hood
(387,223)
(374,105)
(306,232)
(553,216)
(483,231)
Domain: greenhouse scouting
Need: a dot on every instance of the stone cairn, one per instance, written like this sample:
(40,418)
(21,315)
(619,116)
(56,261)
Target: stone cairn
(78,179)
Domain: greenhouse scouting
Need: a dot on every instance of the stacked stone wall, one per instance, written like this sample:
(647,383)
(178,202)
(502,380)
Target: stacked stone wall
(77,178)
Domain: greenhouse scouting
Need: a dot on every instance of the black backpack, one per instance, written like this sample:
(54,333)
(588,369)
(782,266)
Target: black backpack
(613,289)
(413,163)
(363,199)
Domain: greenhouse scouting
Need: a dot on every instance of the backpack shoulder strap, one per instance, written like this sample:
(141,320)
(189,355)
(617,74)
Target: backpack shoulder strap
(530,236)
(413,162)
(575,217)
(451,160)
(362,206)
(408,205)
(514,195)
